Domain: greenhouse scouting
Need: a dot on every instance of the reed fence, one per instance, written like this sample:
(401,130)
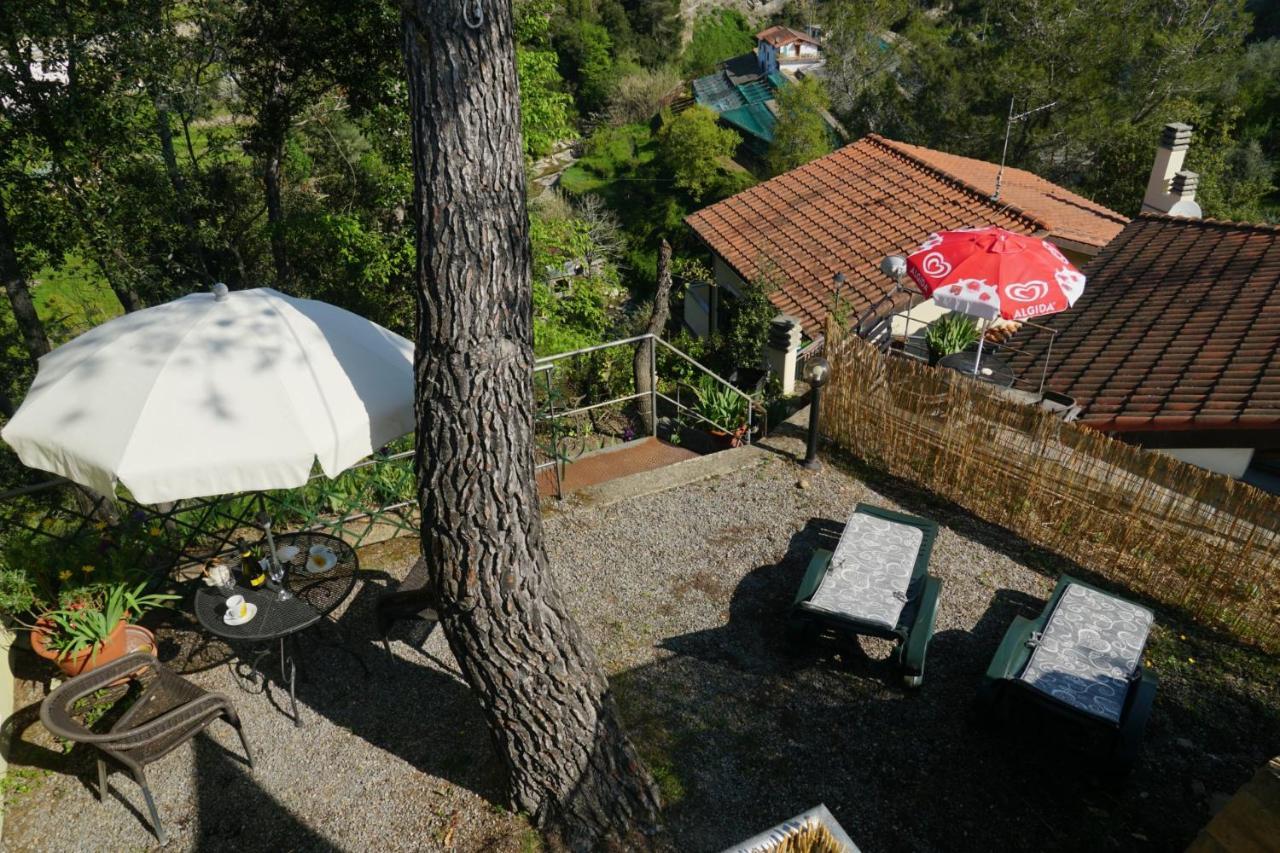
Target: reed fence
(1182,535)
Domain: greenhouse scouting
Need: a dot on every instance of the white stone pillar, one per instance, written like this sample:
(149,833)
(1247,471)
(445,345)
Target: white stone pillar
(783,350)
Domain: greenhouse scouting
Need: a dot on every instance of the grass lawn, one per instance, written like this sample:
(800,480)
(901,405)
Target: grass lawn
(72,298)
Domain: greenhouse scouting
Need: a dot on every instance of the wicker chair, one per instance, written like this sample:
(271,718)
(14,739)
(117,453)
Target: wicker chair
(168,712)
(410,601)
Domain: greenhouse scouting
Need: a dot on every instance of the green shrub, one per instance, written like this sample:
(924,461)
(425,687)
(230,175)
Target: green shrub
(717,35)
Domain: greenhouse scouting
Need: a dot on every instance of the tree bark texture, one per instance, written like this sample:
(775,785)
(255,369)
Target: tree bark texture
(271,177)
(544,694)
(15,287)
(176,180)
(657,322)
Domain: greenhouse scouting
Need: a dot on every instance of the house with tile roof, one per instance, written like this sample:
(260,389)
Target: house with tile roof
(779,48)
(845,212)
(742,90)
(1175,343)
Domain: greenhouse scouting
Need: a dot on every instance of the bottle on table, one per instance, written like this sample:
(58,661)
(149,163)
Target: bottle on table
(251,560)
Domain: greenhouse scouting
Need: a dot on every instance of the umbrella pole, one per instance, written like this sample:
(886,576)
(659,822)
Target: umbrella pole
(982,339)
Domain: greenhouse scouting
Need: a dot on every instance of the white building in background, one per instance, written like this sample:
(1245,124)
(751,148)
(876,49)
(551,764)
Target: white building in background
(784,49)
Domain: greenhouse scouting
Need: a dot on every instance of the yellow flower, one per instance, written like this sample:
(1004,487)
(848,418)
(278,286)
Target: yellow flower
(1191,660)
(64,575)
(86,568)
(155,531)
(1182,636)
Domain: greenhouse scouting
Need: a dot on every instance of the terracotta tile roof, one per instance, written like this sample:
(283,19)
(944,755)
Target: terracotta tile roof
(1178,328)
(780,35)
(843,213)
(1066,216)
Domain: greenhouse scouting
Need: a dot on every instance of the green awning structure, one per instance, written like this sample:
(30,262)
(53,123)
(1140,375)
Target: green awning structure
(755,120)
(743,105)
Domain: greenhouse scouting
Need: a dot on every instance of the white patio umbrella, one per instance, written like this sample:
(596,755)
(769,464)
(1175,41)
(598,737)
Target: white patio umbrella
(216,393)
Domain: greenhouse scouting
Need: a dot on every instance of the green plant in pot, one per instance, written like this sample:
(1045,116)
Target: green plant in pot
(950,334)
(724,407)
(90,628)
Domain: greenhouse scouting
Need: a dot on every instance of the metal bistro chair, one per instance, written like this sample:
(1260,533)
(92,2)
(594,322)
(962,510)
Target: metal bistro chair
(410,601)
(169,712)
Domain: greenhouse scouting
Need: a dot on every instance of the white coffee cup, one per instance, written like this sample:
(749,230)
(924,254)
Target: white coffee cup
(235,606)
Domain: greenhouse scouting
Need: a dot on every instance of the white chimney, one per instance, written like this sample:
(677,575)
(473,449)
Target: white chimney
(1172,189)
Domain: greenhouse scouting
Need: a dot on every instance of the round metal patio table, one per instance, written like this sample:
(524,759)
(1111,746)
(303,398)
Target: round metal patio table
(315,596)
(991,368)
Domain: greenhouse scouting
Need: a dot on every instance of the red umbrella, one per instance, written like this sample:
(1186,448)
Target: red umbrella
(990,272)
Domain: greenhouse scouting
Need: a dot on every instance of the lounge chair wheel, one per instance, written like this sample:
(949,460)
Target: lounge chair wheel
(913,681)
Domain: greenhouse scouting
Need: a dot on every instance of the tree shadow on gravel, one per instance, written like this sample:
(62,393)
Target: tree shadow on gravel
(234,812)
(413,708)
(742,736)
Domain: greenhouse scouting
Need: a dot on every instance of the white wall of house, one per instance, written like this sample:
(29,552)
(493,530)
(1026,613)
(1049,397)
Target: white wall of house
(771,57)
(1232,461)
(800,51)
(697,309)
(726,277)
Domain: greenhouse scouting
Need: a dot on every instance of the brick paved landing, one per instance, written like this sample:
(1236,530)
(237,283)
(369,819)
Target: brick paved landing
(601,466)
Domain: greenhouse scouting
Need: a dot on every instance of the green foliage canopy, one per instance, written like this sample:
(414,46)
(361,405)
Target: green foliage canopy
(693,147)
(717,35)
(801,133)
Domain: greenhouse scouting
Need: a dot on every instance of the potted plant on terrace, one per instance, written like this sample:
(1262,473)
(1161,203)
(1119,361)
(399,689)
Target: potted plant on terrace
(724,407)
(75,587)
(91,630)
(950,334)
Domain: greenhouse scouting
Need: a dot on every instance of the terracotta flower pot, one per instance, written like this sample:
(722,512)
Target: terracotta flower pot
(115,646)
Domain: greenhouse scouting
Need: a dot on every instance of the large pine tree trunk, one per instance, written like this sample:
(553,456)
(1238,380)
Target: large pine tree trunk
(15,287)
(544,693)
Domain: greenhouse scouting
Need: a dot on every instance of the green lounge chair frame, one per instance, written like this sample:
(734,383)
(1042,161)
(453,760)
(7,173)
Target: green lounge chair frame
(915,624)
(1001,687)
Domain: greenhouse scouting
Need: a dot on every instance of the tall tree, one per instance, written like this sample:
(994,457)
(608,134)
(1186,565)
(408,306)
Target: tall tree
(801,134)
(694,148)
(15,287)
(544,693)
(284,56)
(643,360)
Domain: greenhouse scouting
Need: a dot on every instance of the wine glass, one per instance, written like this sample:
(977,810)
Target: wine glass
(275,568)
(276,572)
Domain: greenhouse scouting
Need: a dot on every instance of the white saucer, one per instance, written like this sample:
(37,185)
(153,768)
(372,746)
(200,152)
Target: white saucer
(252,611)
(330,560)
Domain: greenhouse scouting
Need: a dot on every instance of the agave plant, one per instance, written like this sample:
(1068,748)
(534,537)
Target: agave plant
(720,404)
(950,334)
(87,624)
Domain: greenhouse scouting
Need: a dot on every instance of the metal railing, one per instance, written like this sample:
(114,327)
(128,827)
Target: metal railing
(371,499)
(547,366)
(374,496)
(883,329)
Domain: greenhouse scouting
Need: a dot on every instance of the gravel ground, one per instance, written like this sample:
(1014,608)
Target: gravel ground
(684,594)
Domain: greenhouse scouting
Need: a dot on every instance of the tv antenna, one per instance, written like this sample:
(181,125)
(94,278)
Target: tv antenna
(1008,125)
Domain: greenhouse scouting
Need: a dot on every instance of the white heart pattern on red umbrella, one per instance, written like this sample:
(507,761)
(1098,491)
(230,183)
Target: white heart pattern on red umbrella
(1027,291)
(933,264)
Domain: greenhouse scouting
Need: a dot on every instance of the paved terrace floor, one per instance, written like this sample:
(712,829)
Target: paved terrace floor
(683,593)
